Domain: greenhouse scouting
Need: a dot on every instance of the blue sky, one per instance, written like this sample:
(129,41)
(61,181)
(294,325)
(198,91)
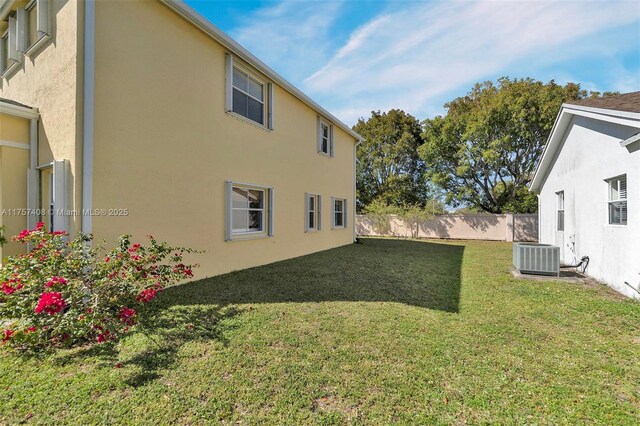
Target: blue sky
(356,56)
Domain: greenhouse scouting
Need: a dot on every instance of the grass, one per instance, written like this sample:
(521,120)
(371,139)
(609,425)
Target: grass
(381,332)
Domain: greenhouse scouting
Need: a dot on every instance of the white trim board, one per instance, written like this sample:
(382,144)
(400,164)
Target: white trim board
(18,111)
(12,144)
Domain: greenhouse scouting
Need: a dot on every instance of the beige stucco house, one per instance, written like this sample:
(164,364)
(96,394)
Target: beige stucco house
(142,117)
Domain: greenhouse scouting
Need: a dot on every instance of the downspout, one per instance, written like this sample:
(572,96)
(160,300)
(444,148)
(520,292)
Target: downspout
(87,125)
(355,186)
(539,215)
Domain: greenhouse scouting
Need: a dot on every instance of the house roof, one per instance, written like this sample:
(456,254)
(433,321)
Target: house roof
(629,102)
(622,109)
(7,106)
(217,34)
(9,101)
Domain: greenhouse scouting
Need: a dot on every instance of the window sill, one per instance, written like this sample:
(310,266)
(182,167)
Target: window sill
(615,225)
(248,121)
(36,47)
(248,236)
(338,228)
(324,154)
(11,70)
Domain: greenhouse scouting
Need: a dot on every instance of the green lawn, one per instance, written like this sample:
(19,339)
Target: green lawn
(385,331)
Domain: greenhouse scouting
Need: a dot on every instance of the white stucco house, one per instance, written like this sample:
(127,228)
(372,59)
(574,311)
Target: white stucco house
(588,182)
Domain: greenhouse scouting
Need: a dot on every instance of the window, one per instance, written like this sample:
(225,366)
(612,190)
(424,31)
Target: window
(4,52)
(313,210)
(339,212)
(32,23)
(249,211)
(618,200)
(560,220)
(248,96)
(325,137)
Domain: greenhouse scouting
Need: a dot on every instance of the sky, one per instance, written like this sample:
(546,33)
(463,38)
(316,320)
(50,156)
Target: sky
(357,56)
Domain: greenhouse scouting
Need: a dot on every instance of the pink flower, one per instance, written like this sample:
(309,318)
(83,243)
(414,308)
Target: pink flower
(39,225)
(51,303)
(126,315)
(55,281)
(146,296)
(31,329)
(7,335)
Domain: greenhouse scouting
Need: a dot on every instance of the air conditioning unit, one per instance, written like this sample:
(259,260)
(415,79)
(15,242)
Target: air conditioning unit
(539,259)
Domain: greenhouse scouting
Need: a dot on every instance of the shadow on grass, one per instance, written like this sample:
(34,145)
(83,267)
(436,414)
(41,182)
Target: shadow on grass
(166,329)
(416,273)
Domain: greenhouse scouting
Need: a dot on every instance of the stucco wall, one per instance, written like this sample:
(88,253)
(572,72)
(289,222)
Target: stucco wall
(164,146)
(13,180)
(464,227)
(591,153)
(51,80)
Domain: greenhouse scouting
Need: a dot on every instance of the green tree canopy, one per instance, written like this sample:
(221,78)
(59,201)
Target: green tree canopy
(389,167)
(483,152)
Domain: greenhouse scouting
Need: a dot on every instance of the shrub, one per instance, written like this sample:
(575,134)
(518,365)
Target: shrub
(66,293)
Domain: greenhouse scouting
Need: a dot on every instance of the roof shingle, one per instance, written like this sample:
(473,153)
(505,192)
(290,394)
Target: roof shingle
(629,102)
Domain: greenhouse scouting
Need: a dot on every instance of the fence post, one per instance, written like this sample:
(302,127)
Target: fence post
(509,227)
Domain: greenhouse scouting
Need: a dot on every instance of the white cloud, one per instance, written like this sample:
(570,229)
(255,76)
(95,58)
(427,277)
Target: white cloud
(292,36)
(410,57)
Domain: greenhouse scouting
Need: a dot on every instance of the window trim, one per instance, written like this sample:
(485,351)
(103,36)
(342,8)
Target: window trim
(267,212)
(320,137)
(334,212)
(317,212)
(560,196)
(611,201)
(267,93)
(43,26)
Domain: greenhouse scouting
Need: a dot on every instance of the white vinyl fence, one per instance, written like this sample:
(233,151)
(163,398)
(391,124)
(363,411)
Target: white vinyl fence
(497,227)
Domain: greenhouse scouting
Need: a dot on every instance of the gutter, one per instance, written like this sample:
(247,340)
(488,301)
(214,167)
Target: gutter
(355,185)
(87,116)
(632,139)
(217,34)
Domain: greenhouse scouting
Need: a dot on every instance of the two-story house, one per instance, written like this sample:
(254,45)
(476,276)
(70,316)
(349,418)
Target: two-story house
(142,117)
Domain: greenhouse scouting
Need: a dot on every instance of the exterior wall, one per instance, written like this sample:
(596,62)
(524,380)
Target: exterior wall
(505,227)
(13,180)
(51,80)
(589,154)
(164,146)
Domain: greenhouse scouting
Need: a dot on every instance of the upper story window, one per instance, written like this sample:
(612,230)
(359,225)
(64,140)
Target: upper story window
(28,29)
(249,211)
(32,23)
(560,217)
(618,200)
(325,137)
(4,52)
(248,96)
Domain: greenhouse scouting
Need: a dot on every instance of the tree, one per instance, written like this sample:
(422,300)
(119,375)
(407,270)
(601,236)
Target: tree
(389,167)
(483,152)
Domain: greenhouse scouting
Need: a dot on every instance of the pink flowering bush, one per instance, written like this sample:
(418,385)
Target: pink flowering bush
(66,293)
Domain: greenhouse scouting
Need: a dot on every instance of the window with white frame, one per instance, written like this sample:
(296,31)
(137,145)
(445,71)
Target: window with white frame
(4,52)
(617,200)
(36,28)
(325,137)
(249,211)
(560,215)
(339,213)
(248,96)
(313,212)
